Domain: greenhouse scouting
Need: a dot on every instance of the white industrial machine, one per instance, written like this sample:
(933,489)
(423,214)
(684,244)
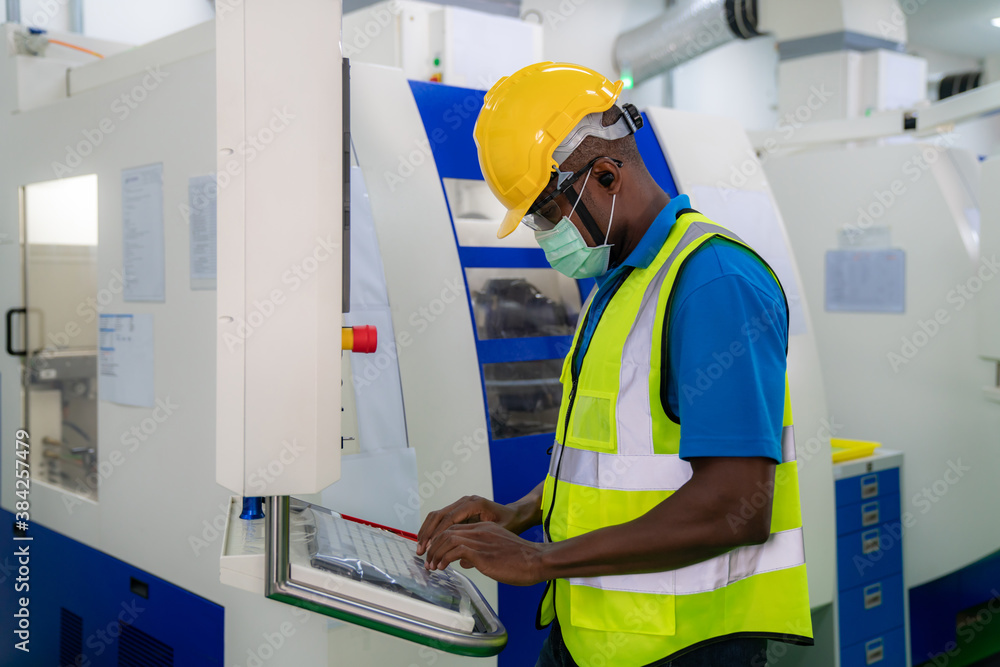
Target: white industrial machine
(884,216)
(425,264)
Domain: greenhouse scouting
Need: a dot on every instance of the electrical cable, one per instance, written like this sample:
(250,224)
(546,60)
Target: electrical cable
(74,46)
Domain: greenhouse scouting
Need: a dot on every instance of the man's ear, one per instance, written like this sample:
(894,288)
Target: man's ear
(608,175)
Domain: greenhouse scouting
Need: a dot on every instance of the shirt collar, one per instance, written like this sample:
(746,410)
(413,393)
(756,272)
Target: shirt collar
(654,238)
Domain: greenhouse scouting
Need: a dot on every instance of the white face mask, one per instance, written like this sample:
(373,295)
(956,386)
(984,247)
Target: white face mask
(568,253)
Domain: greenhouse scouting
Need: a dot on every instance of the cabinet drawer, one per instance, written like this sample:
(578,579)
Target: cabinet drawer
(870,609)
(869,555)
(866,487)
(885,650)
(867,514)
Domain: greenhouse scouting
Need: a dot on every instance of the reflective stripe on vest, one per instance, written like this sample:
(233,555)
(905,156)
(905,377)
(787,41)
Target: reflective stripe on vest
(616,457)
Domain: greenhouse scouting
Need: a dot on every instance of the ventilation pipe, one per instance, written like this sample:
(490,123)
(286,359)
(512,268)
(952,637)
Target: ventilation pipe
(682,33)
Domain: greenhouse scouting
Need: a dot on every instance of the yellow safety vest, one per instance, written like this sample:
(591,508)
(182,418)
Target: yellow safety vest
(616,457)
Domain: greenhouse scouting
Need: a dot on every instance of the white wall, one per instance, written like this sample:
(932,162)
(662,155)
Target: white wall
(140,22)
(48,15)
(739,80)
(584,32)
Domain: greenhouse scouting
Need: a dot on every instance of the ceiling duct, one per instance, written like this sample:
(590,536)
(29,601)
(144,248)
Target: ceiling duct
(682,33)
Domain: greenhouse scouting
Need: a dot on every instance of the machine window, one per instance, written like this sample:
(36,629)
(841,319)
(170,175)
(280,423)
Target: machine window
(523,303)
(523,397)
(477,215)
(60,361)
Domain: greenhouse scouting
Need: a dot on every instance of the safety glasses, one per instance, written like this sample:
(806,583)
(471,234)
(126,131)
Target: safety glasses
(545,213)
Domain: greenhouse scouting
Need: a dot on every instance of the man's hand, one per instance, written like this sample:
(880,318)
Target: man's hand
(491,549)
(470,509)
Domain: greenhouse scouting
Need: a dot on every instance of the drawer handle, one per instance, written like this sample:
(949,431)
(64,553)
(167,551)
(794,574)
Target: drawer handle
(869,486)
(873,596)
(870,541)
(874,651)
(869,514)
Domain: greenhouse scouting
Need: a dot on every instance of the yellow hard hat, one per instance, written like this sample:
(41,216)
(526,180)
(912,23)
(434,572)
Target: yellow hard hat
(525,117)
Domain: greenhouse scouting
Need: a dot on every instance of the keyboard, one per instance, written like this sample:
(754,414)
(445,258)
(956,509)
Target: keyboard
(385,560)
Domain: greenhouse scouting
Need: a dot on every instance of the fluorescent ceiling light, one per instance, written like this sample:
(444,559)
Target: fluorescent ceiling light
(996,22)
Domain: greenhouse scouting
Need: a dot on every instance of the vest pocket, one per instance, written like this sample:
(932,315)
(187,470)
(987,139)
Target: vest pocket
(592,425)
(624,611)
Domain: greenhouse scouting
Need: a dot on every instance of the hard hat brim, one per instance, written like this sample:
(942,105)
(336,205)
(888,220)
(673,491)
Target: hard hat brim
(511,221)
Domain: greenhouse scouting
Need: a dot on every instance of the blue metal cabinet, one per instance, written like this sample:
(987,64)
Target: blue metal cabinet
(870,599)
(885,649)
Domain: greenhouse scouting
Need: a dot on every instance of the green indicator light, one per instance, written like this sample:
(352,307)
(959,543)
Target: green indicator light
(627,77)
(437,61)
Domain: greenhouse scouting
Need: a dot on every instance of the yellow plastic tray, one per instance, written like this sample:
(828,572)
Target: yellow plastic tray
(847,450)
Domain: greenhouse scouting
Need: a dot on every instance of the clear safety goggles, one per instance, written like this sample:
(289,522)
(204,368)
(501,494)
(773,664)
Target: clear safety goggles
(545,213)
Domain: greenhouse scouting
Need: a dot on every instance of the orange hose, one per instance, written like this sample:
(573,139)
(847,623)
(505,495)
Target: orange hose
(74,46)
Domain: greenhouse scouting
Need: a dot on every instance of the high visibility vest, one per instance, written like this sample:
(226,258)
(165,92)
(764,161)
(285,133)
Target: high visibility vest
(616,457)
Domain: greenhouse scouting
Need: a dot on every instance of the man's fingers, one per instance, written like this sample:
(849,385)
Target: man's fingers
(432,525)
(440,520)
(449,539)
(461,551)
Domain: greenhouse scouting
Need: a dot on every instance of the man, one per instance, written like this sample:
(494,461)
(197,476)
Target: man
(671,508)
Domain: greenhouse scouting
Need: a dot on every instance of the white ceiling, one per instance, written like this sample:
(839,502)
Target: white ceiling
(961,27)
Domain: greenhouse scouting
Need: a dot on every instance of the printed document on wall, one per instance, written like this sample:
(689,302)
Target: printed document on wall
(202,195)
(142,233)
(126,359)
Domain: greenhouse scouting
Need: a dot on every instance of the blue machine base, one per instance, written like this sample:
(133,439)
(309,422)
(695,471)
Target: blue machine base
(87,609)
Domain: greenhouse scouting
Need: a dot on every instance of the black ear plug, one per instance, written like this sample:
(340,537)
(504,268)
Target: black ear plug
(606,179)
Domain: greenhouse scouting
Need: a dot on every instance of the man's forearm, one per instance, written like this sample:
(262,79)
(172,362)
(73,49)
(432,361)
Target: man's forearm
(690,526)
(527,510)
(647,544)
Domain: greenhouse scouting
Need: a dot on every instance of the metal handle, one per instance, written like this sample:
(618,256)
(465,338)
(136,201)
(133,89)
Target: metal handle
(10,333)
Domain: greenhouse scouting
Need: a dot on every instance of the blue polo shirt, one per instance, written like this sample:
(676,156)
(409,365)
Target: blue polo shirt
(727,340)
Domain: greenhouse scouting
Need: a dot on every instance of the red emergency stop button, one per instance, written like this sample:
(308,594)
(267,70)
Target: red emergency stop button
(361,339)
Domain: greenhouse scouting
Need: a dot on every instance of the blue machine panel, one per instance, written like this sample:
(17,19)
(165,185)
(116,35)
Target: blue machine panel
(449,114)
(82,599)
(518,463)
(936,605)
